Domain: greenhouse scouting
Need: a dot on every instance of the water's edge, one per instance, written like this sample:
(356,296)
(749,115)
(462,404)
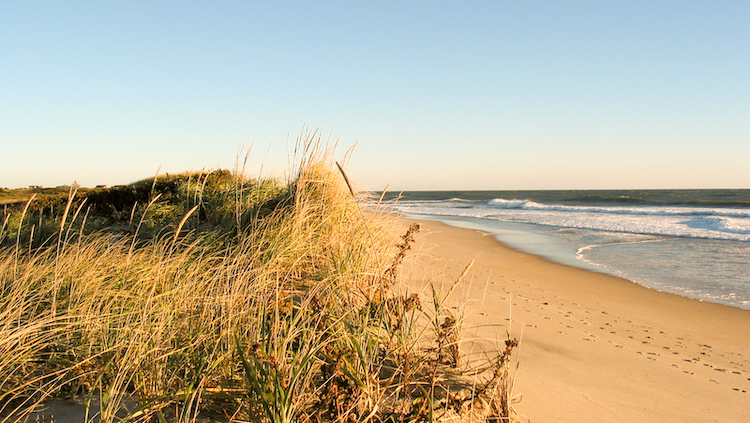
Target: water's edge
(537,240)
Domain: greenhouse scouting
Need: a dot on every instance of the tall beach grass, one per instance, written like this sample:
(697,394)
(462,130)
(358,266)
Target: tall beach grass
(229,299)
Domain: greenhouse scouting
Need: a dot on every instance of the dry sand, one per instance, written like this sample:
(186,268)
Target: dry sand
(594,348)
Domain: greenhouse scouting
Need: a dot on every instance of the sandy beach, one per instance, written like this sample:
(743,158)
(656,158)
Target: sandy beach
(594,348)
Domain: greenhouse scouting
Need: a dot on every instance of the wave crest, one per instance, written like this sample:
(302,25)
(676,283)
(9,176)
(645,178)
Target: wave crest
(508,204)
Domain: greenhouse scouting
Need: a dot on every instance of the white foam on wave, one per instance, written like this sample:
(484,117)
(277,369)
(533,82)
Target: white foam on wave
(685,222)
(720,224)
(508,204)
(627,210)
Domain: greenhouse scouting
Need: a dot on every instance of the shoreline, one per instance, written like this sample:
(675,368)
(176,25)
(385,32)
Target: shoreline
(594,347)
(554,252)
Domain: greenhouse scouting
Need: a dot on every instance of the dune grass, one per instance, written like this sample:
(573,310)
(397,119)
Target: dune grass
(235,300)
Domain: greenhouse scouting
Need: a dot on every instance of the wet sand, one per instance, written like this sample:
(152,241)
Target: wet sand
(594,348)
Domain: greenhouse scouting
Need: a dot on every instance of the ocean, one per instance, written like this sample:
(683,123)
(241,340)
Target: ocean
(694,243)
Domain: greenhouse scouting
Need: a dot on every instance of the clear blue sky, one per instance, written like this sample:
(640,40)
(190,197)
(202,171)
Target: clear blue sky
(440,95)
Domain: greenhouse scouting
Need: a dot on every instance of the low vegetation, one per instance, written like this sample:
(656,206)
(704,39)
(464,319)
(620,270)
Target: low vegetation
(213,297)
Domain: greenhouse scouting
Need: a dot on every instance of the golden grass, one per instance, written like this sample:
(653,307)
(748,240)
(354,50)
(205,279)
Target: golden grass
(276,316)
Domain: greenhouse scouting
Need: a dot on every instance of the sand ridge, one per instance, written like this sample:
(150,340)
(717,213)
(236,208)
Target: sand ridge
(594,348)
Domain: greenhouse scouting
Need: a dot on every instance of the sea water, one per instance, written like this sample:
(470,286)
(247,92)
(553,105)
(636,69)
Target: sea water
(694,243)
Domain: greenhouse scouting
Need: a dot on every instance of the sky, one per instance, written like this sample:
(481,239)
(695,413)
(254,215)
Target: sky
(469,95)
